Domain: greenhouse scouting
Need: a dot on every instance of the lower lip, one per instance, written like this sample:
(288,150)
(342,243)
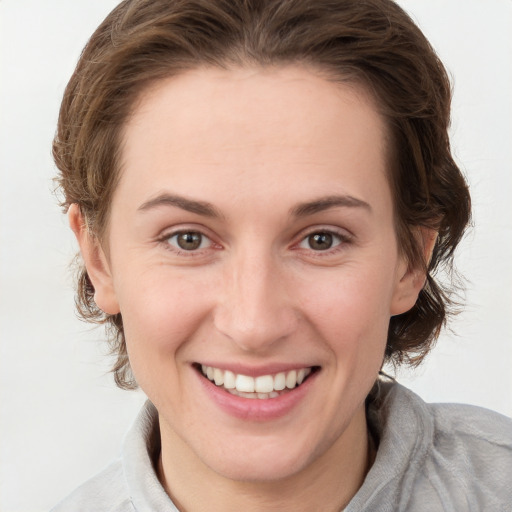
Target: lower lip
(256,409)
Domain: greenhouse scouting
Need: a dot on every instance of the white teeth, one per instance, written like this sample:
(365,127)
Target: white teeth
(218,377)
(229,380)
(280,381)
(244,384)
(264,384)
(291,379)
(262,387)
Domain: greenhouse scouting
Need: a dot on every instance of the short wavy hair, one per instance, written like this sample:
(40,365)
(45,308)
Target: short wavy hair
(371,43)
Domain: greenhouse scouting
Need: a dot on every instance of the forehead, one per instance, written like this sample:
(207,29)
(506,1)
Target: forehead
(286,100)
(278,125)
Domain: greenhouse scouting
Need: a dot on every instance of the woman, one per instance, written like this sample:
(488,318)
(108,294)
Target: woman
(262,192)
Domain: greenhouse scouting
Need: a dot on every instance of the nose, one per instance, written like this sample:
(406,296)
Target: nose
(254,308)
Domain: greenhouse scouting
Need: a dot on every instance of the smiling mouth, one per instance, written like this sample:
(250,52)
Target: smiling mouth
(262,387)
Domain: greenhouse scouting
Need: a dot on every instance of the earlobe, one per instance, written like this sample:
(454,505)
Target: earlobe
(410,280)
(96,262)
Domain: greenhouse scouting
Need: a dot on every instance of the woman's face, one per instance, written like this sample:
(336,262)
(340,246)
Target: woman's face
(252,233)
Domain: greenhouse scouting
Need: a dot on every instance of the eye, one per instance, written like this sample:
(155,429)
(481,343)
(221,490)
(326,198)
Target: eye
(321,241)
(189,240)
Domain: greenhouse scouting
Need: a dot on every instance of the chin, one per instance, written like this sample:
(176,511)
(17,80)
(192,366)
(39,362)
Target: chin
(259,469)
(260,458)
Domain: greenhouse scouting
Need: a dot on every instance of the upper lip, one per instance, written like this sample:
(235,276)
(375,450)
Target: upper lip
(256,371)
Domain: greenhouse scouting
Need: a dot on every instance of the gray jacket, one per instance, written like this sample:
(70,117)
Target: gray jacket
(431,458)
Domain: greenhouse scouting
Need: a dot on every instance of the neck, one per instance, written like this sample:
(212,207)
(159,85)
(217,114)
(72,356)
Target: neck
(332,479)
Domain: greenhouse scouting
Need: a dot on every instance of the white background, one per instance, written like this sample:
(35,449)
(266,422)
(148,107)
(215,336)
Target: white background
(61,417)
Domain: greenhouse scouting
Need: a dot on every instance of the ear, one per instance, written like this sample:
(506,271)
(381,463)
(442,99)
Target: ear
(410,280)
(96,262)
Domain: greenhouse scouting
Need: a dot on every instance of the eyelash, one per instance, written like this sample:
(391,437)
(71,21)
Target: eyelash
(166,241)
(343,238)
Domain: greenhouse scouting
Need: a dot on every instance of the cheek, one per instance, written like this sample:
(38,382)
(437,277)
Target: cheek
(351,311)
(160,316)
(160,313)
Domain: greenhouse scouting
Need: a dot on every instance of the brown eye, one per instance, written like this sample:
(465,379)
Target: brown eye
(320,241)
(188,240)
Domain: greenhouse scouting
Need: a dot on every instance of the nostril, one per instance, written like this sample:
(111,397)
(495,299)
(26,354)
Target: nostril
(256,329)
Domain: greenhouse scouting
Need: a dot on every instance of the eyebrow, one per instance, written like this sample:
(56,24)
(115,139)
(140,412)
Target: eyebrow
(199,207)
(208,210)
(325,203)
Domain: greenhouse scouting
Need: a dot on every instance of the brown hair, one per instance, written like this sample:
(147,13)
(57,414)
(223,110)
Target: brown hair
(373,43)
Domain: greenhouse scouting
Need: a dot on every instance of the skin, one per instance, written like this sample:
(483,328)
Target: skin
(255,144)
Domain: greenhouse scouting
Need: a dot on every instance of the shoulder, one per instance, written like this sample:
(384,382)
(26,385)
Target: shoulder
(475,424)
(473,444)
(436,457)
(467,456)
(107,491)
(130,483)
(445,425)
